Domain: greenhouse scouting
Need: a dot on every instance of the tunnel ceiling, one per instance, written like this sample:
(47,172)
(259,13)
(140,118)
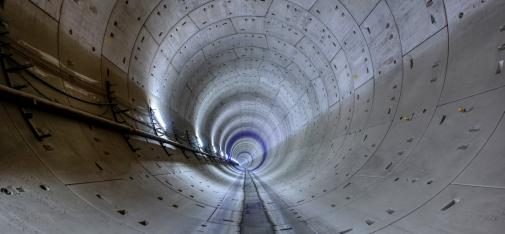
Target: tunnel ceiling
(363,115)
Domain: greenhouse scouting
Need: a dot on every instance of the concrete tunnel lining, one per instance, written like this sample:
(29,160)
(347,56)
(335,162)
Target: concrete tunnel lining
(374,116)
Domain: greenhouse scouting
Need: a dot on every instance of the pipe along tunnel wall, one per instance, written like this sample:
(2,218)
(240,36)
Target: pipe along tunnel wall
(343,116)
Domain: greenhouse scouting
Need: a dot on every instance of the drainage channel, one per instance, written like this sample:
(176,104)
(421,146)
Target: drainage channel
(254,217)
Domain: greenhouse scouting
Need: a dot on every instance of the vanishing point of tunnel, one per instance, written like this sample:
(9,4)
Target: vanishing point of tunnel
(252,116)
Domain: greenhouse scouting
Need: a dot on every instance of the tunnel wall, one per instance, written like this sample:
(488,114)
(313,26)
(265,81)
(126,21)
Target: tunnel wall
(60,175)
(83,179)
(405,138)
(82,175)
(404,146)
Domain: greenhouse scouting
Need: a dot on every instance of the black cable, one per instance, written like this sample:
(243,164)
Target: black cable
(136,120)
(36,90)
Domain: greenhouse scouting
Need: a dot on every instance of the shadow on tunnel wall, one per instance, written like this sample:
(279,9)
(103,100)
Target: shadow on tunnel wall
(60,174)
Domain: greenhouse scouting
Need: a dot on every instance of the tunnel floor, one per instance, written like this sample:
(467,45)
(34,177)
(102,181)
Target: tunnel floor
(254,216)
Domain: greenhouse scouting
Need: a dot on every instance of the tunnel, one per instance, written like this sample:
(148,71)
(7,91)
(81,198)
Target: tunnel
(252,116)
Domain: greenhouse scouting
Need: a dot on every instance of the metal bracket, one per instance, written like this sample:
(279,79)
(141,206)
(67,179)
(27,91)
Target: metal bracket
(37,132)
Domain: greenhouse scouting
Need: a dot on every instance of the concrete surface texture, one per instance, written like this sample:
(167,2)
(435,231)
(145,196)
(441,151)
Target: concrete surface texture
(334,116)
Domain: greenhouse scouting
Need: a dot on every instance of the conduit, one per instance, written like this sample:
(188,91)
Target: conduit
(29,100)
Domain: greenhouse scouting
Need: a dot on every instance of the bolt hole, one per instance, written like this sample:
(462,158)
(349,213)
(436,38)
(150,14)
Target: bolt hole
(143,223)
(122,212)
(499,68)
(5,191)
(462,147)
(98,166)
(48,147)
(443,119)
(449,205)
(345,231)
(474,129)
(369,222)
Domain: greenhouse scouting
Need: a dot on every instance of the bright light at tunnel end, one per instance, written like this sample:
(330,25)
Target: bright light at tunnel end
(250,135)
